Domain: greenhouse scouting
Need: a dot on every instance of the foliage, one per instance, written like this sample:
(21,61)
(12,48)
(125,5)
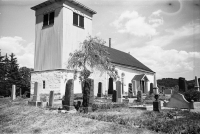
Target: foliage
(11,74)
(192,95)
(168,82)
(92,55)
(162,122)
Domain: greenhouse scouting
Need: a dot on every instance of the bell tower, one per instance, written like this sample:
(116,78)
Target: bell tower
(61,25)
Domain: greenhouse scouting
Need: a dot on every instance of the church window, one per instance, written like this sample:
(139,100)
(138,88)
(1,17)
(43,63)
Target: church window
(43,84)
(81,21)
(75,19)
(78,20)
(48,19)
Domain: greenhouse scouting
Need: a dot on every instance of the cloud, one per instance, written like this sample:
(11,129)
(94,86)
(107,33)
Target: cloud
(17,45)
(135,24)
(175,34)
(165,61)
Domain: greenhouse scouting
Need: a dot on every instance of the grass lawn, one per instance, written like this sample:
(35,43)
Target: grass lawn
(18,117)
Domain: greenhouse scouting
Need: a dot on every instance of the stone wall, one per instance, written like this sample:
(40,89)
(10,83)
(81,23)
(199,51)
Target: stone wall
(55,80)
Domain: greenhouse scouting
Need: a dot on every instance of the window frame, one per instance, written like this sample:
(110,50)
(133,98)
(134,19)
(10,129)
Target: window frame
(78,20)
(49,19)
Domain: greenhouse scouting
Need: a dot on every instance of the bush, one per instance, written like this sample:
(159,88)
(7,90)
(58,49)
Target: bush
(192,95)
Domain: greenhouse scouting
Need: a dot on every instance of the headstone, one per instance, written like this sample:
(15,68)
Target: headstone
(119,91)
(114,96)
(151,88)
(157,106)
(69,95)
(182,84)
(130,90)
(178,100)
(110,88)
(51,98)
(13,95)
(99,94)
(36,96)
(139,96)
(88,95)
(196,86)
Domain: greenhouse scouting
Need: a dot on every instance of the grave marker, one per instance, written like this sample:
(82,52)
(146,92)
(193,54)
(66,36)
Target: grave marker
(69,95)
(130,90)
(51,98)
(88,95)
(114,96)
(196,86)
(99,94)
(13,95)
(119,91)
(182,84)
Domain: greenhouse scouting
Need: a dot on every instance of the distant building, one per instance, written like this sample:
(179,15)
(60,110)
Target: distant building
(61,25)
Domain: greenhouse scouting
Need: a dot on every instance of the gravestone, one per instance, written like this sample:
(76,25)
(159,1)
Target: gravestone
(178,101)
(13,95)
(88,95)
(99,94)
(139,96)
(114,96)
(151,88)
(130,90)
(68,103)
(36,96)
(119,91)
(110,88)
(182,84)
(51,98)
(196,86)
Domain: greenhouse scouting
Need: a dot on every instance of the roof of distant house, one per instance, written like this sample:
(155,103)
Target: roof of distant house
(49,2)
(126,59)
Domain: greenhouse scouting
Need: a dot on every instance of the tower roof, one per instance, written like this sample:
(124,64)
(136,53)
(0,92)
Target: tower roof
(49,2)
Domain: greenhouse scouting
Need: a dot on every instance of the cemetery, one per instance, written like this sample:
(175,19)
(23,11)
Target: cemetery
(101,90)
(158,115)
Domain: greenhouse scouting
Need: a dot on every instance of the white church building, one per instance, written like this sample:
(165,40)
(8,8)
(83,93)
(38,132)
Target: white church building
(61,25)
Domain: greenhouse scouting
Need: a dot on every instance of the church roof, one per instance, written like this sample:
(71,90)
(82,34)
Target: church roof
(139,77)
(49,2)
(122,58)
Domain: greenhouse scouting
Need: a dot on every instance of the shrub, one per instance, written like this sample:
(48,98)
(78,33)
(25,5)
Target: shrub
(192,95)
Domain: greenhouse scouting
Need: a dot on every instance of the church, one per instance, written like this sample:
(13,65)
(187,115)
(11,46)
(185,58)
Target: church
(60,27)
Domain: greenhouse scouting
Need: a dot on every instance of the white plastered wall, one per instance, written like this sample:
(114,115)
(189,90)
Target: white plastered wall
(73,35)
(129,75)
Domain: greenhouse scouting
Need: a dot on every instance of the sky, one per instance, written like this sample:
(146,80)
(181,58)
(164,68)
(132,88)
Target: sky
(162,34)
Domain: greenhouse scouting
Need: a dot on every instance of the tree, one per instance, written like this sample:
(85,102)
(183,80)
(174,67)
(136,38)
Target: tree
(25,75)
(92,55)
